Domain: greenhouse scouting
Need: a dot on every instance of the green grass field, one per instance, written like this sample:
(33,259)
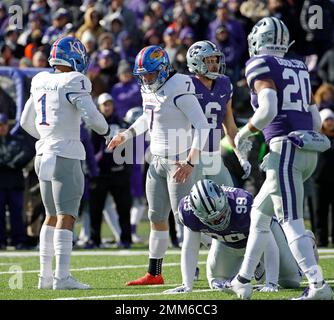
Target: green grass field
(108,270)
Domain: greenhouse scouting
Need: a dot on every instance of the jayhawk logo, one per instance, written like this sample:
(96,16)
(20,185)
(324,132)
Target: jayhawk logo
(157,54)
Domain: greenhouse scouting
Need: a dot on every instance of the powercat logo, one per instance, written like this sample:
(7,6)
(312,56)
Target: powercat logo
(194,51)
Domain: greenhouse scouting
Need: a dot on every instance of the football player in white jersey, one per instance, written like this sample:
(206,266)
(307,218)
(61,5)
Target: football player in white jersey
(52,114)
(170,111)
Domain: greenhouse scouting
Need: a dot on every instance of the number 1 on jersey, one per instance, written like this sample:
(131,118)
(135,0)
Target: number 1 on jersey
(43,100)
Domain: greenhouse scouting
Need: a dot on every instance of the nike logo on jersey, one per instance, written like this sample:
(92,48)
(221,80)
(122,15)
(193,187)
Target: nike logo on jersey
(222,96)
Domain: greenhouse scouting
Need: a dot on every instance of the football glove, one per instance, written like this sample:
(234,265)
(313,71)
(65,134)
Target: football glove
(247,167)
(181,289)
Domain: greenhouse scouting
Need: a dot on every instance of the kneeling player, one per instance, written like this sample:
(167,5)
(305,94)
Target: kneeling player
(224,214)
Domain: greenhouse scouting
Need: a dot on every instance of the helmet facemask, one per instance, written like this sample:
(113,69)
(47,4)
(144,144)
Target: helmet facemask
(210,205)
(220,69)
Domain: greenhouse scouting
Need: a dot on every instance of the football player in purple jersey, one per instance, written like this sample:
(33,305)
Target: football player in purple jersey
(214,92)
(223,213)
(289,119)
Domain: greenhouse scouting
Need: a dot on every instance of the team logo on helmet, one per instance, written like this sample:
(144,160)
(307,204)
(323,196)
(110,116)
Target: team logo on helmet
(156,55)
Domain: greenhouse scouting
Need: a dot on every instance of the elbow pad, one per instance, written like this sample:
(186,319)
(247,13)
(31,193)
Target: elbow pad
(267,110)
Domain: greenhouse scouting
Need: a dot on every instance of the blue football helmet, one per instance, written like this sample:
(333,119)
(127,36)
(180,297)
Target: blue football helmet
(152,59)
(70,52)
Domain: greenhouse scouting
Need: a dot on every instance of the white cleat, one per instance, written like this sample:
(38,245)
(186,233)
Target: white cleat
(69,283)
(271,287)
(323,293)
(241,290)
(45,283)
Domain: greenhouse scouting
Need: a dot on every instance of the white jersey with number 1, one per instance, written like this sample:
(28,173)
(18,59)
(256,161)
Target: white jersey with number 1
(54,110)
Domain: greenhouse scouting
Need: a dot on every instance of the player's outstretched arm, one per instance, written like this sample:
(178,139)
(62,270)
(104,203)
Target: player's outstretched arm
(28,117)
(137,128)
(189,258)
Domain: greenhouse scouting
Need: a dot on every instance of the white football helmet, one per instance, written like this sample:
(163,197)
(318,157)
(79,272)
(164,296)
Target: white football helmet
(269,36)
(210,204)
(195,59)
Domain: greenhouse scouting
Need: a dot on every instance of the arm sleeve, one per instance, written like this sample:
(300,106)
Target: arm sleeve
(28,117)
(271,260)
(89,113)
(316,119)
(138,127)
(267,110)
(190,106)
(189,256)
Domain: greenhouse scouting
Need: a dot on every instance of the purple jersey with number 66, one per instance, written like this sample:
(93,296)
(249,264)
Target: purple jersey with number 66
(235,235)
(213,103)
(293,86)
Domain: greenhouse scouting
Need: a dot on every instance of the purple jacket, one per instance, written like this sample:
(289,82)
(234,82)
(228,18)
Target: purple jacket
(126,96)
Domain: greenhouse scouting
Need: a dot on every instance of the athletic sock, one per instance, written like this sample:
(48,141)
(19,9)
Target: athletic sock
(46,250)
(63,248)
(155,266)
(158,245)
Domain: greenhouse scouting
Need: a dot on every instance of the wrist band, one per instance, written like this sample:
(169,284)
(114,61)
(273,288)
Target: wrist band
(188,162)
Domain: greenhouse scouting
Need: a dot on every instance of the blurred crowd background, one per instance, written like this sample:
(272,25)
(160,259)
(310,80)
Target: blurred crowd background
(113,32)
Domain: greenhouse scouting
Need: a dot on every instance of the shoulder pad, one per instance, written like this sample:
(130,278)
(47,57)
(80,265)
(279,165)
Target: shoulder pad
(258,68)
(78,83)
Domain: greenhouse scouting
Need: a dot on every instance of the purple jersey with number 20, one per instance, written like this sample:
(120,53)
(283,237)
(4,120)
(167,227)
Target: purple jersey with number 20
(292,82)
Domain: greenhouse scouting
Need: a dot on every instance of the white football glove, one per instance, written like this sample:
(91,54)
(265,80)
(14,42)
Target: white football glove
(247,167)
(243,145)
(181,289)
(271,287)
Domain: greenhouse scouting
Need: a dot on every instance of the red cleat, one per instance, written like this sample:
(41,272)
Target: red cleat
(147,279)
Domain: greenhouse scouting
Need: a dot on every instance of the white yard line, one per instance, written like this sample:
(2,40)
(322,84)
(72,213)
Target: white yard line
(171,264)
(128,295)
(145,294)
(25,254)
